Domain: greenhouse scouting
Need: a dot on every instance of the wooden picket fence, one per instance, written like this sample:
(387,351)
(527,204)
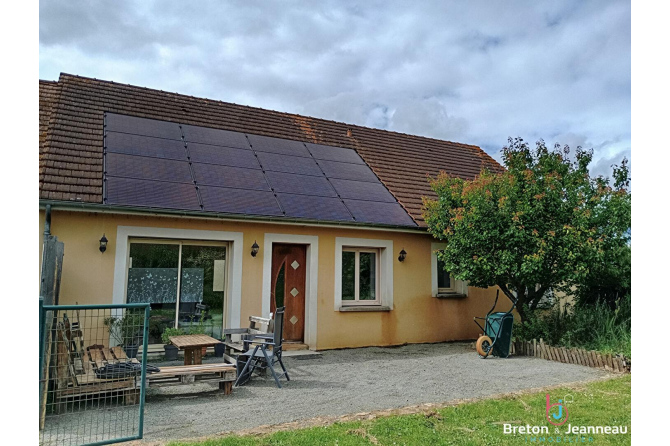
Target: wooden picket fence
(590,358)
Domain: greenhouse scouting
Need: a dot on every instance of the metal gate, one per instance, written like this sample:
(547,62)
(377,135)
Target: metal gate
(92,385)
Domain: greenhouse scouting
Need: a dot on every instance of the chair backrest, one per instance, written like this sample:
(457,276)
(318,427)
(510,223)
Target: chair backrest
(259,324)
(279,326)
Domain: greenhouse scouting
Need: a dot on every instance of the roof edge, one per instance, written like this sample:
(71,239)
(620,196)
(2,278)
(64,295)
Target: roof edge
(82,206)
(64,76)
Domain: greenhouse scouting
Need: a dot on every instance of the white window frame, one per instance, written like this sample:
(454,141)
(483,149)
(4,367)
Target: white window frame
(458,287)
(357,276)
(232,313)
(384,271)
(452,282)
(180,243)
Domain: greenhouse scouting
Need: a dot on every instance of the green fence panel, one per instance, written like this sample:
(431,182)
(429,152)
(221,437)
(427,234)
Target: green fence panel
(92,373)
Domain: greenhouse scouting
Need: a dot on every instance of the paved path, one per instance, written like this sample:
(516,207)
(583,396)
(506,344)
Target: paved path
(349,381)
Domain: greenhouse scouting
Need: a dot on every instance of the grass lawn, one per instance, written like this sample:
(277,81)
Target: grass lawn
(602,403)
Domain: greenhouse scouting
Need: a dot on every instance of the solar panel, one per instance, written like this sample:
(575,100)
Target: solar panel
(348,171)
(156,194)
(277,145)
(330,153)
(375,212)
(147,164)
(360,190)
(300,184)
(145,146)
(131,166)
(239,201)
(215,137)
(141,126)
(226,176)
(226,156)
(315,208)
(289,164)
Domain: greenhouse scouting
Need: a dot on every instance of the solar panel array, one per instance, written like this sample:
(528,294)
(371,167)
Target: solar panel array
(160,164)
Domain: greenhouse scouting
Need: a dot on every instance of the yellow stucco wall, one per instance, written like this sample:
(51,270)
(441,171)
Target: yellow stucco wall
(416,316)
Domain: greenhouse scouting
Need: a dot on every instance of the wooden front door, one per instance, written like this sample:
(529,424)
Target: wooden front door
(288,287)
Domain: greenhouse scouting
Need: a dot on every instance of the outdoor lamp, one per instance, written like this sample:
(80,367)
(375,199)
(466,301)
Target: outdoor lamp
(254,249)
(103,243)
(403,254)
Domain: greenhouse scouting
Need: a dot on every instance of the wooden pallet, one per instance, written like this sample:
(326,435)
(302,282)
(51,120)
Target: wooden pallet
(74,383)
(223,374)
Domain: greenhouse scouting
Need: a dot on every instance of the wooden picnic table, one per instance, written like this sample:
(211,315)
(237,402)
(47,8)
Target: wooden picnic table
(192,346)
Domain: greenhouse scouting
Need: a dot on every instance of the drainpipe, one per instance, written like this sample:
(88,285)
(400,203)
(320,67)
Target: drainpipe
(47,234)
(47,222)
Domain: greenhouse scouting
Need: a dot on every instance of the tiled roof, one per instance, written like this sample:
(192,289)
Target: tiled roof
(71,148)
(48,98)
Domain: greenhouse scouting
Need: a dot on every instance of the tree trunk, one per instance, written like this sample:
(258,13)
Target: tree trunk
(520,299)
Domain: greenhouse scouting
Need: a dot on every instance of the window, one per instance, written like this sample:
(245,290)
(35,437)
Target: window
(363,274)
(183,281)
(444,285)
(444,280)
(360,276)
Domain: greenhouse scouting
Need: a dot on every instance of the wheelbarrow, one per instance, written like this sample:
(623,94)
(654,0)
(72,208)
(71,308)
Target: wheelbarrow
(497,329)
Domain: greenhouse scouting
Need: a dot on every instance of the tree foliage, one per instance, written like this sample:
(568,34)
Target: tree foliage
(607,281)
(540,224)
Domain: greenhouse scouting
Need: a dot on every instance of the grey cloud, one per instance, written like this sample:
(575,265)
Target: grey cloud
(428,118)
(475,72)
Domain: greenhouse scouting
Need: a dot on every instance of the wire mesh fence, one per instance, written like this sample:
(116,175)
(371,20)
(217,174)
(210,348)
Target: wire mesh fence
(92,383)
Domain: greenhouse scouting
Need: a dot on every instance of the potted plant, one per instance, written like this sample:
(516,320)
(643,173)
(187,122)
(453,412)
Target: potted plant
(126,331)
(171,352)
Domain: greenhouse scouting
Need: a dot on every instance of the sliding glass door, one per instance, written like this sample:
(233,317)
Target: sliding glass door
(184,281)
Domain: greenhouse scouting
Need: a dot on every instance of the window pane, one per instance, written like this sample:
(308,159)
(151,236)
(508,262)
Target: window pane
(443,277)
(368,276)
(348,275)
(202,289)
(279,286)
(152,277)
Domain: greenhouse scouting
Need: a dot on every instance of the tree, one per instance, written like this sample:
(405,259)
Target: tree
(607,281)
(538,225)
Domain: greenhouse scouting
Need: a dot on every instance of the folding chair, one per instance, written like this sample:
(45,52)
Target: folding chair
(261,357)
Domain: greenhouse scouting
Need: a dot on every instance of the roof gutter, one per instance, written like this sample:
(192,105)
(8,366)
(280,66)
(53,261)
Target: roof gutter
(78,206)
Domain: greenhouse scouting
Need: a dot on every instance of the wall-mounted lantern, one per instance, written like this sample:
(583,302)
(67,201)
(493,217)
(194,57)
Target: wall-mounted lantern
(254,249)
(103,243)
(403,254)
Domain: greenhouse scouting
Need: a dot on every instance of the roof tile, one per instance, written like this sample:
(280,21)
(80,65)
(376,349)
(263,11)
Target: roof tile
(71,131)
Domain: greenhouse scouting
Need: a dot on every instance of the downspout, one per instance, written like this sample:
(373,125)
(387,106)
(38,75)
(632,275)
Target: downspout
(47,234)
(47,222)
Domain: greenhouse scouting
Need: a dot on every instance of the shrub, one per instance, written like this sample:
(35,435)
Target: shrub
(127,329)
(165,337)
(594,327)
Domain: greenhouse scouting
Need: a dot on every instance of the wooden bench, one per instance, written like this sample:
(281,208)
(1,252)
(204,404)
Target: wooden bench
(257,326)
(222,373)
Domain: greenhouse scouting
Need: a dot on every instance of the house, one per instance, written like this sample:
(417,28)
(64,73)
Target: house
(243,209)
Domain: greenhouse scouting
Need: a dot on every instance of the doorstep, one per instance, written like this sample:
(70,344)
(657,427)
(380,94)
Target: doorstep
(293,345)
(300,354)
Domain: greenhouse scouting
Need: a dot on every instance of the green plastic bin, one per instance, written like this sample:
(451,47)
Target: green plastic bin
(502,345)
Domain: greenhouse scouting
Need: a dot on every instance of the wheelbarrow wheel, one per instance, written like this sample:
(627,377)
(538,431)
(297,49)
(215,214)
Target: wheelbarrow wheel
(484,346)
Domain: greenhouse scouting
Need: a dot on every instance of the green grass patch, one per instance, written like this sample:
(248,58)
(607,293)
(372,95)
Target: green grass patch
(602,403)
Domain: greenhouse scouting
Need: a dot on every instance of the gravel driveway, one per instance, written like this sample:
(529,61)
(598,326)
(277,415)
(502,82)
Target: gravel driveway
(342,382)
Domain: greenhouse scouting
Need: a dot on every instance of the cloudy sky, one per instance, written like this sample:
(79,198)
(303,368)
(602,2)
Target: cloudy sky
(474,72)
